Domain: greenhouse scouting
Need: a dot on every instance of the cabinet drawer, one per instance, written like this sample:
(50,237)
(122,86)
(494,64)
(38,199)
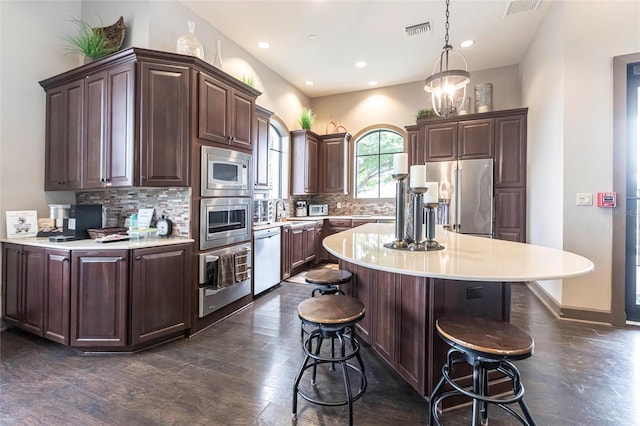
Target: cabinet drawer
(358,222)
(339,223)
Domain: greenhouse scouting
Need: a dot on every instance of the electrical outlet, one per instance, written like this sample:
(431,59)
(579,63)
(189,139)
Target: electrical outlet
(339,205)
(584,199)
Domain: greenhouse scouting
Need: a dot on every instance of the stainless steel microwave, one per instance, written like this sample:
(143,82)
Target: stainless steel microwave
(224,221)
(224,173)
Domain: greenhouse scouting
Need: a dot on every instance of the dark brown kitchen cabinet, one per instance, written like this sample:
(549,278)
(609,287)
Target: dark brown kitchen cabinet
(64,136)
(310,243)
(226,115)
(511,151)
(160,297)
(413,147)
(441,142)
(99,295)
(510,207)
(23,287)
(475,138)
(285,252)
(57,291)
(304,162)
(334,163)
(109,142)
(261,150)
(164,124)
(298,246)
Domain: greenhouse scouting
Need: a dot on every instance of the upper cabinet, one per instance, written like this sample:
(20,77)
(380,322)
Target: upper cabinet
(319,164)
(226,114)
(128,119)
(261,149)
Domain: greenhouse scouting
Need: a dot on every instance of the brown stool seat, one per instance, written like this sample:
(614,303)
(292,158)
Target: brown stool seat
(486,336)
(331,309)
(327,276)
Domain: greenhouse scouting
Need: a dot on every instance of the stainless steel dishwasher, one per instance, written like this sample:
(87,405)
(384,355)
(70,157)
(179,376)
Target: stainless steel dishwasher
(266,259)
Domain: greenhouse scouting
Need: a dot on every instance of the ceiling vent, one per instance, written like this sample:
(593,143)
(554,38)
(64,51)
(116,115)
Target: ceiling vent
(518,6)
(417,30)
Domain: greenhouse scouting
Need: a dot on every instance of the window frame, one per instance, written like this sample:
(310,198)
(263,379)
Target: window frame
(285,140)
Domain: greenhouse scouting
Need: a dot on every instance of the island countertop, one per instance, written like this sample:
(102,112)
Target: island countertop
(464,257)
(89,244)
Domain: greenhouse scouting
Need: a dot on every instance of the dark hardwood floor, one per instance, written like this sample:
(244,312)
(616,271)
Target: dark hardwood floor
(241,371)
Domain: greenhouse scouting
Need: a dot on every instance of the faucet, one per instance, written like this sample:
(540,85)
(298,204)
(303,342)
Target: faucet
(279,212)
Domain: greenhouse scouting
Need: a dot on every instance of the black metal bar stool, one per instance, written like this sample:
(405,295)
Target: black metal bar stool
(485,345)
(333,317)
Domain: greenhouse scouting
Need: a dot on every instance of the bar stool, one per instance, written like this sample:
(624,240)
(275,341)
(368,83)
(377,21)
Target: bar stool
(327,281)
(485,345)
(333,317)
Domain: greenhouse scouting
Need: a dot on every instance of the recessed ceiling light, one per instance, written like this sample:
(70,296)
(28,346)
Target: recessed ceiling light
(312,36)
(263,45)
(373,83)
(309,82)
(361,64)
(467,43)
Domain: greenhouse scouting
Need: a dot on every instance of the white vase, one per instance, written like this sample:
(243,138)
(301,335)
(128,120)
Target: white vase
(217,60)
(188,44)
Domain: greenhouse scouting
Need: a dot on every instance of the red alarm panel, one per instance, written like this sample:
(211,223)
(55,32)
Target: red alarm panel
(606,199)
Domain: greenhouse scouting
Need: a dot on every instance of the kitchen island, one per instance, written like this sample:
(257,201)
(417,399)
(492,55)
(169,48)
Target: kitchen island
(114,297)
(404,292)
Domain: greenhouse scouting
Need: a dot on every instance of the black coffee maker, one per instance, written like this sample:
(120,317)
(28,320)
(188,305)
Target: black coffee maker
(73,220)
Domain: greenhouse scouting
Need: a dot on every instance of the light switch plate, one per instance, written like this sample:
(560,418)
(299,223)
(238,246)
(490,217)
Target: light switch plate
(584,199)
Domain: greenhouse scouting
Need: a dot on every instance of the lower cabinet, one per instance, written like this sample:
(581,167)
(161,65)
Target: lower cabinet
(298,247)
(117,300)
(160,303)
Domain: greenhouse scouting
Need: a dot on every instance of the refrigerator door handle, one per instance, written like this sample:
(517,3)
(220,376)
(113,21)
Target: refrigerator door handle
(458,214)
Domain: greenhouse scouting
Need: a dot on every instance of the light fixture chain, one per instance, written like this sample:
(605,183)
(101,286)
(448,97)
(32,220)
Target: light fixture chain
(446,26)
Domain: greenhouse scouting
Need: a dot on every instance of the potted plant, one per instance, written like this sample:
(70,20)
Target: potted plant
(95,43)
(425,113)
(306,118)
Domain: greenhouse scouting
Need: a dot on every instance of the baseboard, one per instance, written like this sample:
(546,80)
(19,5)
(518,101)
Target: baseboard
(571,314)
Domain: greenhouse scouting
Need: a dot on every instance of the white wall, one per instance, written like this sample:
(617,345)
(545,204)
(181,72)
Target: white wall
(398,105)
(570,122)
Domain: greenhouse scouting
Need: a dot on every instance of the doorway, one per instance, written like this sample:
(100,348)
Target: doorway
(632,257)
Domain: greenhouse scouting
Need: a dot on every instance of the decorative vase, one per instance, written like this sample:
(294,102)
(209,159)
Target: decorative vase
(188,44)
(217,60)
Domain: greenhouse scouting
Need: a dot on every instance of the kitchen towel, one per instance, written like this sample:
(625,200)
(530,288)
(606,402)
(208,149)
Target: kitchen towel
(242,271)
(226,270)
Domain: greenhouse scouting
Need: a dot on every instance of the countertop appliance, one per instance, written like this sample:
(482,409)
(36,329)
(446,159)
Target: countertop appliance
(224,173)
(318,209)
(465,195)
(213,296)
(266,259)
(301,208)
(73,220)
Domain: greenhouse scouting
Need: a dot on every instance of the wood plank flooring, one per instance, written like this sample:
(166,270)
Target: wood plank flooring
(241,371)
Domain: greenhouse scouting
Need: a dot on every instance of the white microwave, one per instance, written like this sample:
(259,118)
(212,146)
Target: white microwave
(224,173)
(318,209)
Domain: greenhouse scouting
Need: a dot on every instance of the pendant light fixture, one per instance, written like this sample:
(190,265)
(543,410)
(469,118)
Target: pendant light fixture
(448,87)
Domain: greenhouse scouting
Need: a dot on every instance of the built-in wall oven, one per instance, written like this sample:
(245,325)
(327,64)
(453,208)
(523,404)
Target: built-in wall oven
(224,173)
(224,221)
(224,277)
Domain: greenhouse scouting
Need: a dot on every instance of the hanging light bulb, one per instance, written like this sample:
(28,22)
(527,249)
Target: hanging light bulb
(448,87)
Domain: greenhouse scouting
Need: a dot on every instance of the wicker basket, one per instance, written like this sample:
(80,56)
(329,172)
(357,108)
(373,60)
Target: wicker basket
(103,232)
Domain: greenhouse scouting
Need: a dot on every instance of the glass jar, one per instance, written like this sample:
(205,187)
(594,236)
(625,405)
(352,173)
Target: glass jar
(484,97)
(188,44)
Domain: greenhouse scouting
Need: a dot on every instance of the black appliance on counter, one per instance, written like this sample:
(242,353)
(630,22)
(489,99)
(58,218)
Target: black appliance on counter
(73,220)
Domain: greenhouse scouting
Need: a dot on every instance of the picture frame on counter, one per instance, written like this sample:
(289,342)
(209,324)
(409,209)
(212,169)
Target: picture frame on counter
(22,223)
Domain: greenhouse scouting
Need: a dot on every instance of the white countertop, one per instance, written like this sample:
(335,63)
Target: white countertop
(90,244)
(310,219)
(464,257)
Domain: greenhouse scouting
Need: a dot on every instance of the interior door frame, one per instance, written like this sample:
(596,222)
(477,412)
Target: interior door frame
(619,170)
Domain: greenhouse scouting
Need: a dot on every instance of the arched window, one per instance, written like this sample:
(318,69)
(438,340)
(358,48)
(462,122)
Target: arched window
(374,163)
(278,166)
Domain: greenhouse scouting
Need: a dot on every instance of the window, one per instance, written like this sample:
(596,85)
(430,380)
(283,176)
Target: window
(278,168)
(374,163)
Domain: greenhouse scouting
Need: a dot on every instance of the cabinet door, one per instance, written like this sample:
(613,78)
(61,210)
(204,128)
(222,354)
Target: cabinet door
(11,277)
(64,137)
(99,286)
(285,252)
(164,119)
(242,110)
(214,98)
(384,340)
(364,286)
(320,252)
(261,152)
(57,293)
(297,248)
(94,173)
(32,292)
(334,162)
(304,162)
(311,171)
(310,243)
(411,301)
(475,139)
(159,292)
(511,214)
(414,148)
(511,151)
(440,141)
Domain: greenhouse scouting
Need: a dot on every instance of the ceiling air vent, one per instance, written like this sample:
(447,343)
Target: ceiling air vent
(518,6)
(418,29)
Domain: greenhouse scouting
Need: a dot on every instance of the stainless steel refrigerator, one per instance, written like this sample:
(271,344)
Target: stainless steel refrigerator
(465,195)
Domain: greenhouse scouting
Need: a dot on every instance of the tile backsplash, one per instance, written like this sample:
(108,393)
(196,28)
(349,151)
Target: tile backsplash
(348,205)
(120,203)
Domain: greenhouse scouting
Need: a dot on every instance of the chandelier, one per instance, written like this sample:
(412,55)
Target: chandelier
(448,87)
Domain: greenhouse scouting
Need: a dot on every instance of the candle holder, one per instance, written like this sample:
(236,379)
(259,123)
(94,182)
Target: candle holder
(417,244)
(431,243)
(399,242)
